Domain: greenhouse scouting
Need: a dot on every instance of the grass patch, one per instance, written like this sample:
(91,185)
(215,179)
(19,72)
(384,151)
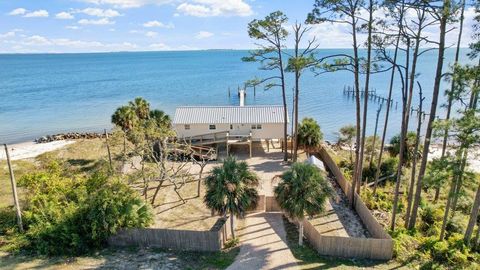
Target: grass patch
(210,260)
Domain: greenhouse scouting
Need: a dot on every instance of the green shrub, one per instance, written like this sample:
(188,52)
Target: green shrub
(439,251)
(369,172)
(454,225)
(389,166)
(7,220)
(72,215)
(464,204)
(451,253)
(430,217)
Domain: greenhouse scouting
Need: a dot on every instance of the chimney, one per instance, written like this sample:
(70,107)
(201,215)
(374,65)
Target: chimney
(241,95)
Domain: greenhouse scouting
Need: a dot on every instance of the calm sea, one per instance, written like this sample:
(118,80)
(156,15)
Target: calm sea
(51,93)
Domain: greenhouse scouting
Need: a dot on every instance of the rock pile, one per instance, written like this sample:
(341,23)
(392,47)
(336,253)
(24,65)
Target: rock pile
(69,136)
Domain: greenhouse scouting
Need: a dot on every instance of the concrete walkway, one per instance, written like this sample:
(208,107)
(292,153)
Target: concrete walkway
(263,244)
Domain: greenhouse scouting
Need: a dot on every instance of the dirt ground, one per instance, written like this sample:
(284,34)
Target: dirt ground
(339,219)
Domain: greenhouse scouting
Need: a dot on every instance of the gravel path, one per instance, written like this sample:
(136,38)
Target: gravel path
(263,244)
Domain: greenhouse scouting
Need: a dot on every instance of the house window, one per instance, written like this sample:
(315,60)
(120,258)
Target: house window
(256,127)
(231,126)
(212,127)
(187,127)
(259,126)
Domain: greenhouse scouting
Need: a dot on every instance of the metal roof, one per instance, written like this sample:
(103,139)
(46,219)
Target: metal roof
(229,114)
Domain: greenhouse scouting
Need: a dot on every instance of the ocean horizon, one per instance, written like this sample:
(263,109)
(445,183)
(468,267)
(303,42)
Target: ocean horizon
(43,94)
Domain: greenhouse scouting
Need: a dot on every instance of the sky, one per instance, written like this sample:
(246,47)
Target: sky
(65,26)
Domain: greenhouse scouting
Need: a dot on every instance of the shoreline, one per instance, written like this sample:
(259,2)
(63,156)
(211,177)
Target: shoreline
(31,149)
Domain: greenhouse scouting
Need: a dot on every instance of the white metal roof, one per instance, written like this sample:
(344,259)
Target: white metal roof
(229,114)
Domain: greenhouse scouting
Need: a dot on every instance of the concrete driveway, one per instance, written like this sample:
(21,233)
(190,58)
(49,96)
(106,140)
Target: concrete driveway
(263,244)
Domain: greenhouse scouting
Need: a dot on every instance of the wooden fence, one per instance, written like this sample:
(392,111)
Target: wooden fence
(212,240)
(349,247)
(379,247)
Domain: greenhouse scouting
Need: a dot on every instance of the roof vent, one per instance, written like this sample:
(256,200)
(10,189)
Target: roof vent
(241,95)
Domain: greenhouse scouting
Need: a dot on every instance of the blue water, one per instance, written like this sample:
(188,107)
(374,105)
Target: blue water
(51,93)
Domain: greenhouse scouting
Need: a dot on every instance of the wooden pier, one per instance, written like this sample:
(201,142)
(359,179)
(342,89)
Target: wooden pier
(372,95)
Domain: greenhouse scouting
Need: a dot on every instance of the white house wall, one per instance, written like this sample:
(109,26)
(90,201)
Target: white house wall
(268,131)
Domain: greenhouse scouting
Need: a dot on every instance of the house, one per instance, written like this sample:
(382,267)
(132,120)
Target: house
(256,123)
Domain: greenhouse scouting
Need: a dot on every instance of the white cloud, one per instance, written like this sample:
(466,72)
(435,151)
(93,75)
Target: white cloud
(8,34)
(98,12)
(158,24)
(73,27)
(38,43)
(159,47)
(203,35)
(17,11)
(64,16)
(128,3)
(211,8)
(36,14)
(102,21)
(151,34)
(37,40)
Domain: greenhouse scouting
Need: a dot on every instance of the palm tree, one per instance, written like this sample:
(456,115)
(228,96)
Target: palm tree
(231,188)
(141,107)
(125,118)
(303,190)
(162,119)
(309,134)
(347,134)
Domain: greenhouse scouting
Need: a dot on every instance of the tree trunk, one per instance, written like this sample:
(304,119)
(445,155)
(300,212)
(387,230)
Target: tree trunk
(295,100)
(300,232)
(414,162)
(355,179)
(284,100)
(406,115)
(459,183)
(473,217)
(232,226)
(199,184)
(450,100)
(433,111)
(389,104)
(365,100)
(375,136)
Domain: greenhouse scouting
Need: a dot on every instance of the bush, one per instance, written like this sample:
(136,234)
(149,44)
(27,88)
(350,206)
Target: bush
(430,217)
(389,166)
(454,225)
(440,251)
(464,204)
(72,215)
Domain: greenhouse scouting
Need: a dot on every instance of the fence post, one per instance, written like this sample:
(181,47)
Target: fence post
(108,150)
(14,190)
